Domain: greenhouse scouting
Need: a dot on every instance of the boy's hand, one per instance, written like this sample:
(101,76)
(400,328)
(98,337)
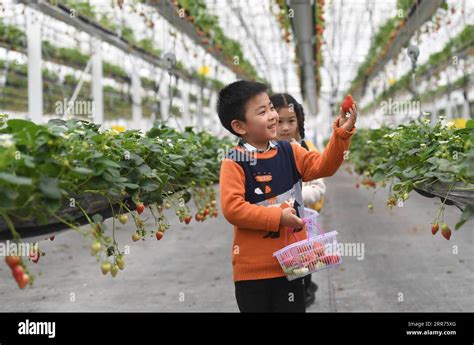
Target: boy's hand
(347,122)
(290,220)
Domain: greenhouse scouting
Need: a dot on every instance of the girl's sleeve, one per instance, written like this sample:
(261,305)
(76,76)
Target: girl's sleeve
(313,191)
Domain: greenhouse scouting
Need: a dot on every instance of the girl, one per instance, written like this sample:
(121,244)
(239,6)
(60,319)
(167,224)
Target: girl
(291,128)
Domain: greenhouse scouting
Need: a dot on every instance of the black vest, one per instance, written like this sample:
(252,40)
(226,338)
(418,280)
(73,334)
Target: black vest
(271,181)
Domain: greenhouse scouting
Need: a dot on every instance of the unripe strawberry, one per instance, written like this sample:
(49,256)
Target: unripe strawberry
(445,231)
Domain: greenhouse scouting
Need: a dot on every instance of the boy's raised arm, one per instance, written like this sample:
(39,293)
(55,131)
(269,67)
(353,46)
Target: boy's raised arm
(312,165)
(236,209)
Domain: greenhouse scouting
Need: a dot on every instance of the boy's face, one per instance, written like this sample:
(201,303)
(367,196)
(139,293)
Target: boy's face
(287,124)
(261,120)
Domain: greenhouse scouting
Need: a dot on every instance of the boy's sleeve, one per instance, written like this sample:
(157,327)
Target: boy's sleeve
(236,209)
(312,165)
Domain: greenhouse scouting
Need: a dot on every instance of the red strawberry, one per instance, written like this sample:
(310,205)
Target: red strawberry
(18,272)
(187,219)
(445,231)
(23,281)
(52,238)
(13,261)
(140,208)
(159,235)
(347,104)
(332,259)
(434,228)
(318,249)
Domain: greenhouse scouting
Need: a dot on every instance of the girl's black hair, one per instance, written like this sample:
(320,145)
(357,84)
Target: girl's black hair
(282,100)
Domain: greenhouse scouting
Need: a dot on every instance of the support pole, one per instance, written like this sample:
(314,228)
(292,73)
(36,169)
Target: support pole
(35,77)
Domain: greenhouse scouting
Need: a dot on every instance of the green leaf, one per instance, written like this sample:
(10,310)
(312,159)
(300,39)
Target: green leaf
(110,163)
(413,151)
(378,176)
(29,161)
(470,124)
(82,171)
(174,157)
(20,125)
(149,186)
(409,173)
(466,215)
(50,187)
(16,180)
(136,159)
(24,131)
(152,198)
(8,197)
(180,163)
(97,218)
(145,169)
(131,185)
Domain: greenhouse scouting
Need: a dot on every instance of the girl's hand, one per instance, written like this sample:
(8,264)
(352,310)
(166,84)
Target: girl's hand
(347,123)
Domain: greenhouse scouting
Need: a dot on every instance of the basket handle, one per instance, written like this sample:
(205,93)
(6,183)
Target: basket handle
(320,232)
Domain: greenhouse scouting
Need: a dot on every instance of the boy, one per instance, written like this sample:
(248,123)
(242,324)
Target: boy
(261,194)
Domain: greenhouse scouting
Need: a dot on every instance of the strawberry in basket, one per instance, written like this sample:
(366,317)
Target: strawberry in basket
(330,259)
(319,249)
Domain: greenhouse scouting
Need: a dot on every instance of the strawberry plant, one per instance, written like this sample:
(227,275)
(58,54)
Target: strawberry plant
(418,156)
(53,172)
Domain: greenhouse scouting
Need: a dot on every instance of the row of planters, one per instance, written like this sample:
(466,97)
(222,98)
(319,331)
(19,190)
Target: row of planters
(213,36)
(433,160)
(13,38)
(65,174)
(14,96)
(117,104)
(385,36)
(196,12)
(460,45)
(126,33)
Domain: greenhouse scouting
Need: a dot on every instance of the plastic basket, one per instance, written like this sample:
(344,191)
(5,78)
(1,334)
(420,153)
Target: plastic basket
(317,252)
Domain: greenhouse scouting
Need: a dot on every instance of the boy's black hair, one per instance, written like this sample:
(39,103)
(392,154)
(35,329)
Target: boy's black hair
(233,99)
(282,100)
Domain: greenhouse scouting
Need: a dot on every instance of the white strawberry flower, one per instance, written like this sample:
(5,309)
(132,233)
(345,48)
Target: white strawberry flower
(6,140)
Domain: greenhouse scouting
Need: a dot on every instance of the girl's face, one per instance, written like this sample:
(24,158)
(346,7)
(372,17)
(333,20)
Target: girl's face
(287,124)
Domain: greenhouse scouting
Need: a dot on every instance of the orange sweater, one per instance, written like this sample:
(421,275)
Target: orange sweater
(252,254)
